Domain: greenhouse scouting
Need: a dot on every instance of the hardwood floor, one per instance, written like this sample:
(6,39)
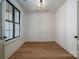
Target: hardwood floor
(41,51)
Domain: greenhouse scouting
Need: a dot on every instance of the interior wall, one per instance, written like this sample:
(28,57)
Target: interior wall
(66,26)
(43,27)
(12,45)
(39,27)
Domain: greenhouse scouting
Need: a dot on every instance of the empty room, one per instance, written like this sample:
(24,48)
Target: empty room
(39,29)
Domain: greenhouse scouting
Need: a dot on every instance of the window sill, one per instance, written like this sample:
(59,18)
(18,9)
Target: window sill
(11,41)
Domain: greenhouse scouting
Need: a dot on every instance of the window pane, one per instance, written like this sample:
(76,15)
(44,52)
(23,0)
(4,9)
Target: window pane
(11,34)
(16,16)
(7,34)
(16,33)
(7,25)
(9,11)
(17,27)
(11,26)
(12,21)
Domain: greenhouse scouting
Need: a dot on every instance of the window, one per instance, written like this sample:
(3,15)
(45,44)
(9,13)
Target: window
(12,22)
(17,23)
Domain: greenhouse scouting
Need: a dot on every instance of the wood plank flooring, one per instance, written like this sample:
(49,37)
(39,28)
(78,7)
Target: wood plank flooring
(41,51)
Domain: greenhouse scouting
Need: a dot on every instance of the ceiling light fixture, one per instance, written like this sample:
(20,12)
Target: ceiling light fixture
(41,3)
(24,0)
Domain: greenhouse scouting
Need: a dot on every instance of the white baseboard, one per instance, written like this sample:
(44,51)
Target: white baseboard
(71,52)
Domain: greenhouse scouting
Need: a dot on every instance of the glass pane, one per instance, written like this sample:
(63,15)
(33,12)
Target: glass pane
(7,25)
(11,34)
(16,27)
(7,34)
(16,33)
(11,26)
(16,16)
(8,30)
(9,11)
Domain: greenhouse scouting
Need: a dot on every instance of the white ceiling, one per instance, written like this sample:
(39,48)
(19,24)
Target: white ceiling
(32,5)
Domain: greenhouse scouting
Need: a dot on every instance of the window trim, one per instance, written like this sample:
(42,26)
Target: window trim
(13,20)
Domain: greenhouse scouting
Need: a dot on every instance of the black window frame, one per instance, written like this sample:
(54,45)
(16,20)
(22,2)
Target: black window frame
(13,20)
(16,22)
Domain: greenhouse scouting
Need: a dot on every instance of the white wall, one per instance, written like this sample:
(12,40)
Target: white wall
(11,46)
(39,27)
(66,26)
